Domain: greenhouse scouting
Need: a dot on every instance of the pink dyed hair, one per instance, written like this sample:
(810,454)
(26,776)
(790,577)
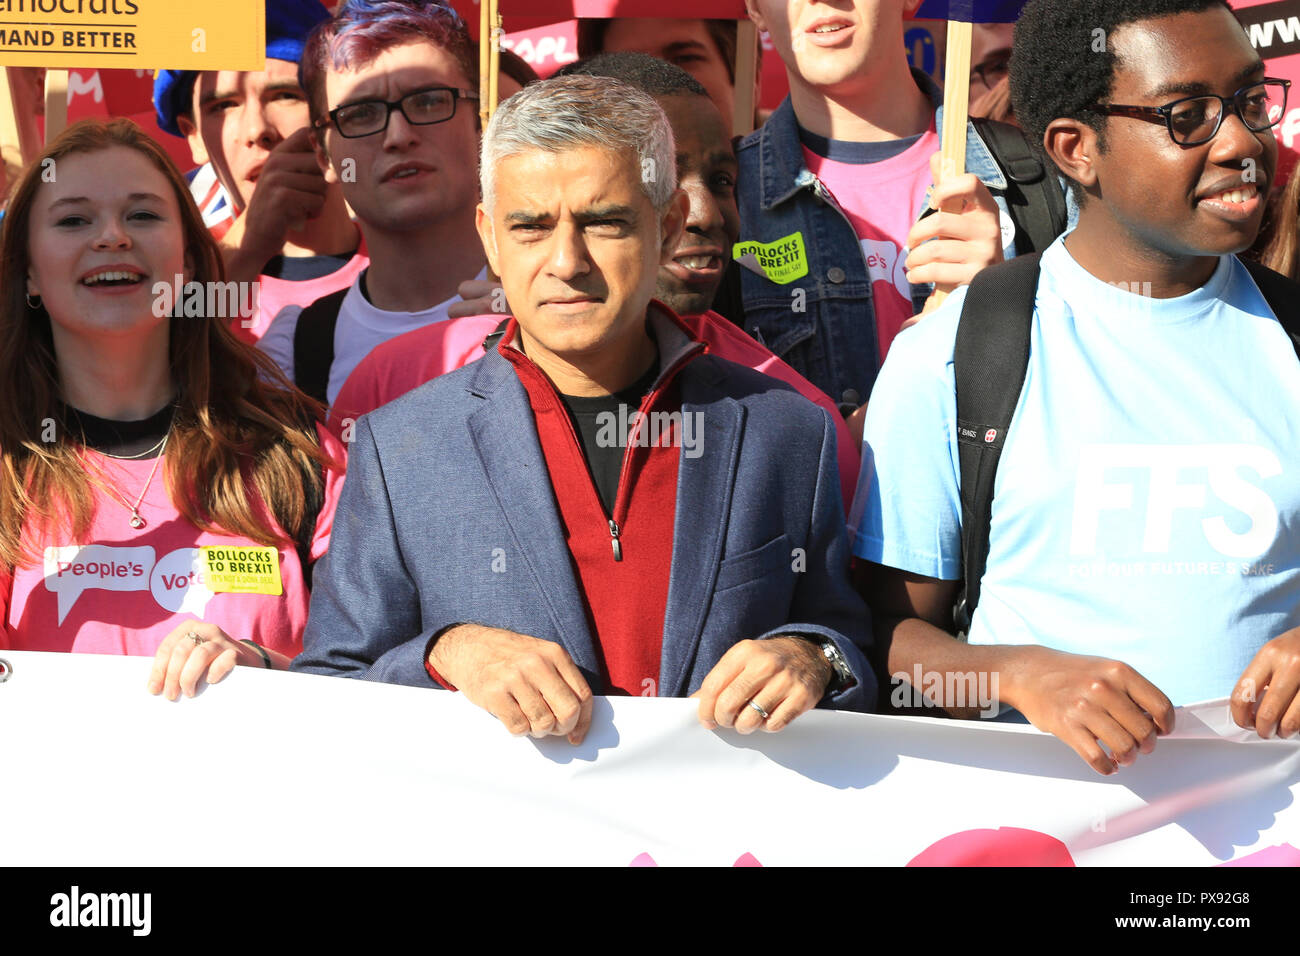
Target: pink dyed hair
(362,29)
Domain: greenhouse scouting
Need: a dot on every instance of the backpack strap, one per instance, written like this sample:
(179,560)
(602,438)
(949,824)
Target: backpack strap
(1034,196)
(1282,296)
(493,338)
(313,344)
(990,359)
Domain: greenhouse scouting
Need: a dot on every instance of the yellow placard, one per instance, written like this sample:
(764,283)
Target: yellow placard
(134,34)
(240,570)
(782,260)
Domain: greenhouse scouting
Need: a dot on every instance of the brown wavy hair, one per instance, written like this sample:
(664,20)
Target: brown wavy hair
(243,450)
(1279,240)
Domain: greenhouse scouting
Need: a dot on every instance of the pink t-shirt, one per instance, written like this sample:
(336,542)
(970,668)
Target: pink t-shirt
(408,361)
(274,294)
(120,590)
(881,199)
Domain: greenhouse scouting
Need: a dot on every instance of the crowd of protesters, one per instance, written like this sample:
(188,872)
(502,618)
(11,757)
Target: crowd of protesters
(595,399)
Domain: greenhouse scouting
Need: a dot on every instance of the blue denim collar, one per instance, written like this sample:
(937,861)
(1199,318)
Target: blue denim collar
(782,171)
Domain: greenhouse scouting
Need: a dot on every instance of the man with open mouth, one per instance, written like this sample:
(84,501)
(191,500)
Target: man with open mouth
(834,189)
(293,235)
(394,106)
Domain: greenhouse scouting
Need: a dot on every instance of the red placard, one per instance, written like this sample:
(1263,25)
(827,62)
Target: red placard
(1274,29)
(527,14)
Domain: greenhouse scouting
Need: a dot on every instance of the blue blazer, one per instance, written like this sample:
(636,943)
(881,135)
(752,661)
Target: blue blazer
(448,515)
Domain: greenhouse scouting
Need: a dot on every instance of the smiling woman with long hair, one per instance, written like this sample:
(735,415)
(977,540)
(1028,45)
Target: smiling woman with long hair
(162,487)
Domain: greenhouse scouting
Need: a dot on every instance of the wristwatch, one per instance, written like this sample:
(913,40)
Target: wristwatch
(841,677)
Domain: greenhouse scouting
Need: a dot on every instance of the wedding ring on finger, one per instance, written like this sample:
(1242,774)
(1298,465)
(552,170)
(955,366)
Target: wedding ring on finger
(193,636)
(759,707)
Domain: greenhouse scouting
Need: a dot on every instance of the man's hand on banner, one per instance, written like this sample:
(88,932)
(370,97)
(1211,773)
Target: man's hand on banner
(1274,675)
(196,651)
(1088,701)
(532,686)
(966,232)
(785,676)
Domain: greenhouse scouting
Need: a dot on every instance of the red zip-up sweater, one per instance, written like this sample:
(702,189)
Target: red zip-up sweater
(622,561)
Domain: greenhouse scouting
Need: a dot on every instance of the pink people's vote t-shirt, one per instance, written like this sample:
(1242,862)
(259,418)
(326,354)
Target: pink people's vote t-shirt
(880,187)
(121,590)
(274,293)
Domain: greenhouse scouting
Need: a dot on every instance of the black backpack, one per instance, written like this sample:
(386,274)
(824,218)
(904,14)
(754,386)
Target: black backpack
(990,360)
(1035,198)
(313,344)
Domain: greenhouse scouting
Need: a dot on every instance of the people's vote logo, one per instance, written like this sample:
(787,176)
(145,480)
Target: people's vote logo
(176,581)
(1177,478)
(884,264)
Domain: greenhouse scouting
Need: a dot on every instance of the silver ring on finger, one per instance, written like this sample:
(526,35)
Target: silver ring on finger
(759,707)
(193,636)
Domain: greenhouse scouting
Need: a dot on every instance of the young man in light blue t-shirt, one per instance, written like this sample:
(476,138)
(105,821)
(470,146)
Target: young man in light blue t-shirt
(1144,549)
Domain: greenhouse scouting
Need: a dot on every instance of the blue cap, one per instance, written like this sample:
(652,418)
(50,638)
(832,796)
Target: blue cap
(287,24)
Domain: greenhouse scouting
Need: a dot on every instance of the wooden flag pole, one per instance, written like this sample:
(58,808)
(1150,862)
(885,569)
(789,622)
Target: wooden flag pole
(11,133)
(56,103)
(742,120)
(20,139)
(494,59)
(484,58)
(956,109)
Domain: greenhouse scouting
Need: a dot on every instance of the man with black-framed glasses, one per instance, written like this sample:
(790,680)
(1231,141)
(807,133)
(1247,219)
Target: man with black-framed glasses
(395,123)
(1142,548)
(1193,120)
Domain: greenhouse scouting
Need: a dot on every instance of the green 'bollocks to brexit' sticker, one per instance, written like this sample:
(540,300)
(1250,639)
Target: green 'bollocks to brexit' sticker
(782,260)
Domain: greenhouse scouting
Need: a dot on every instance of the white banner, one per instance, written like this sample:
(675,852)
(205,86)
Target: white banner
(271,768)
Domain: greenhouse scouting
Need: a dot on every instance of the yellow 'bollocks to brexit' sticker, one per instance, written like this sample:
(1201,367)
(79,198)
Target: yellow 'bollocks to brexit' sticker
(250,570)
(782,260)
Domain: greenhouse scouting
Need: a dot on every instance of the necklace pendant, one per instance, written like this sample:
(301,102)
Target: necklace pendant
(136,521)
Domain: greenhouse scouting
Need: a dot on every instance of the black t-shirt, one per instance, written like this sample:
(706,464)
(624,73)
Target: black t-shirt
(117,438)
(857,154)
(305,268)
(592,419)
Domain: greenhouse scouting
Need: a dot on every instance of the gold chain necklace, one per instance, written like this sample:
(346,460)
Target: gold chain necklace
(136,521)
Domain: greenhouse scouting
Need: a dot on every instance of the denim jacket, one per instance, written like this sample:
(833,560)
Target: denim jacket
(823,323)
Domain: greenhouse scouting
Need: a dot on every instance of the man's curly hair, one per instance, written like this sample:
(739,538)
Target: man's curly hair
(1055,68)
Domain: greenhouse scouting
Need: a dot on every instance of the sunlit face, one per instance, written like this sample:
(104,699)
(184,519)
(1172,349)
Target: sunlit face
(831,44)
(101,235)
(684,43)
(407,176)
(578,245)
(1184,200)
(243,116)
(706,172)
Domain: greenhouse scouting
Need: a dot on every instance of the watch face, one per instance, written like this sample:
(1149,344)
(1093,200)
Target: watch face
(842,676)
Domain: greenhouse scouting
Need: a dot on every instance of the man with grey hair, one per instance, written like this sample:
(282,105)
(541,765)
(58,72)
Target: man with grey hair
(596,505)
